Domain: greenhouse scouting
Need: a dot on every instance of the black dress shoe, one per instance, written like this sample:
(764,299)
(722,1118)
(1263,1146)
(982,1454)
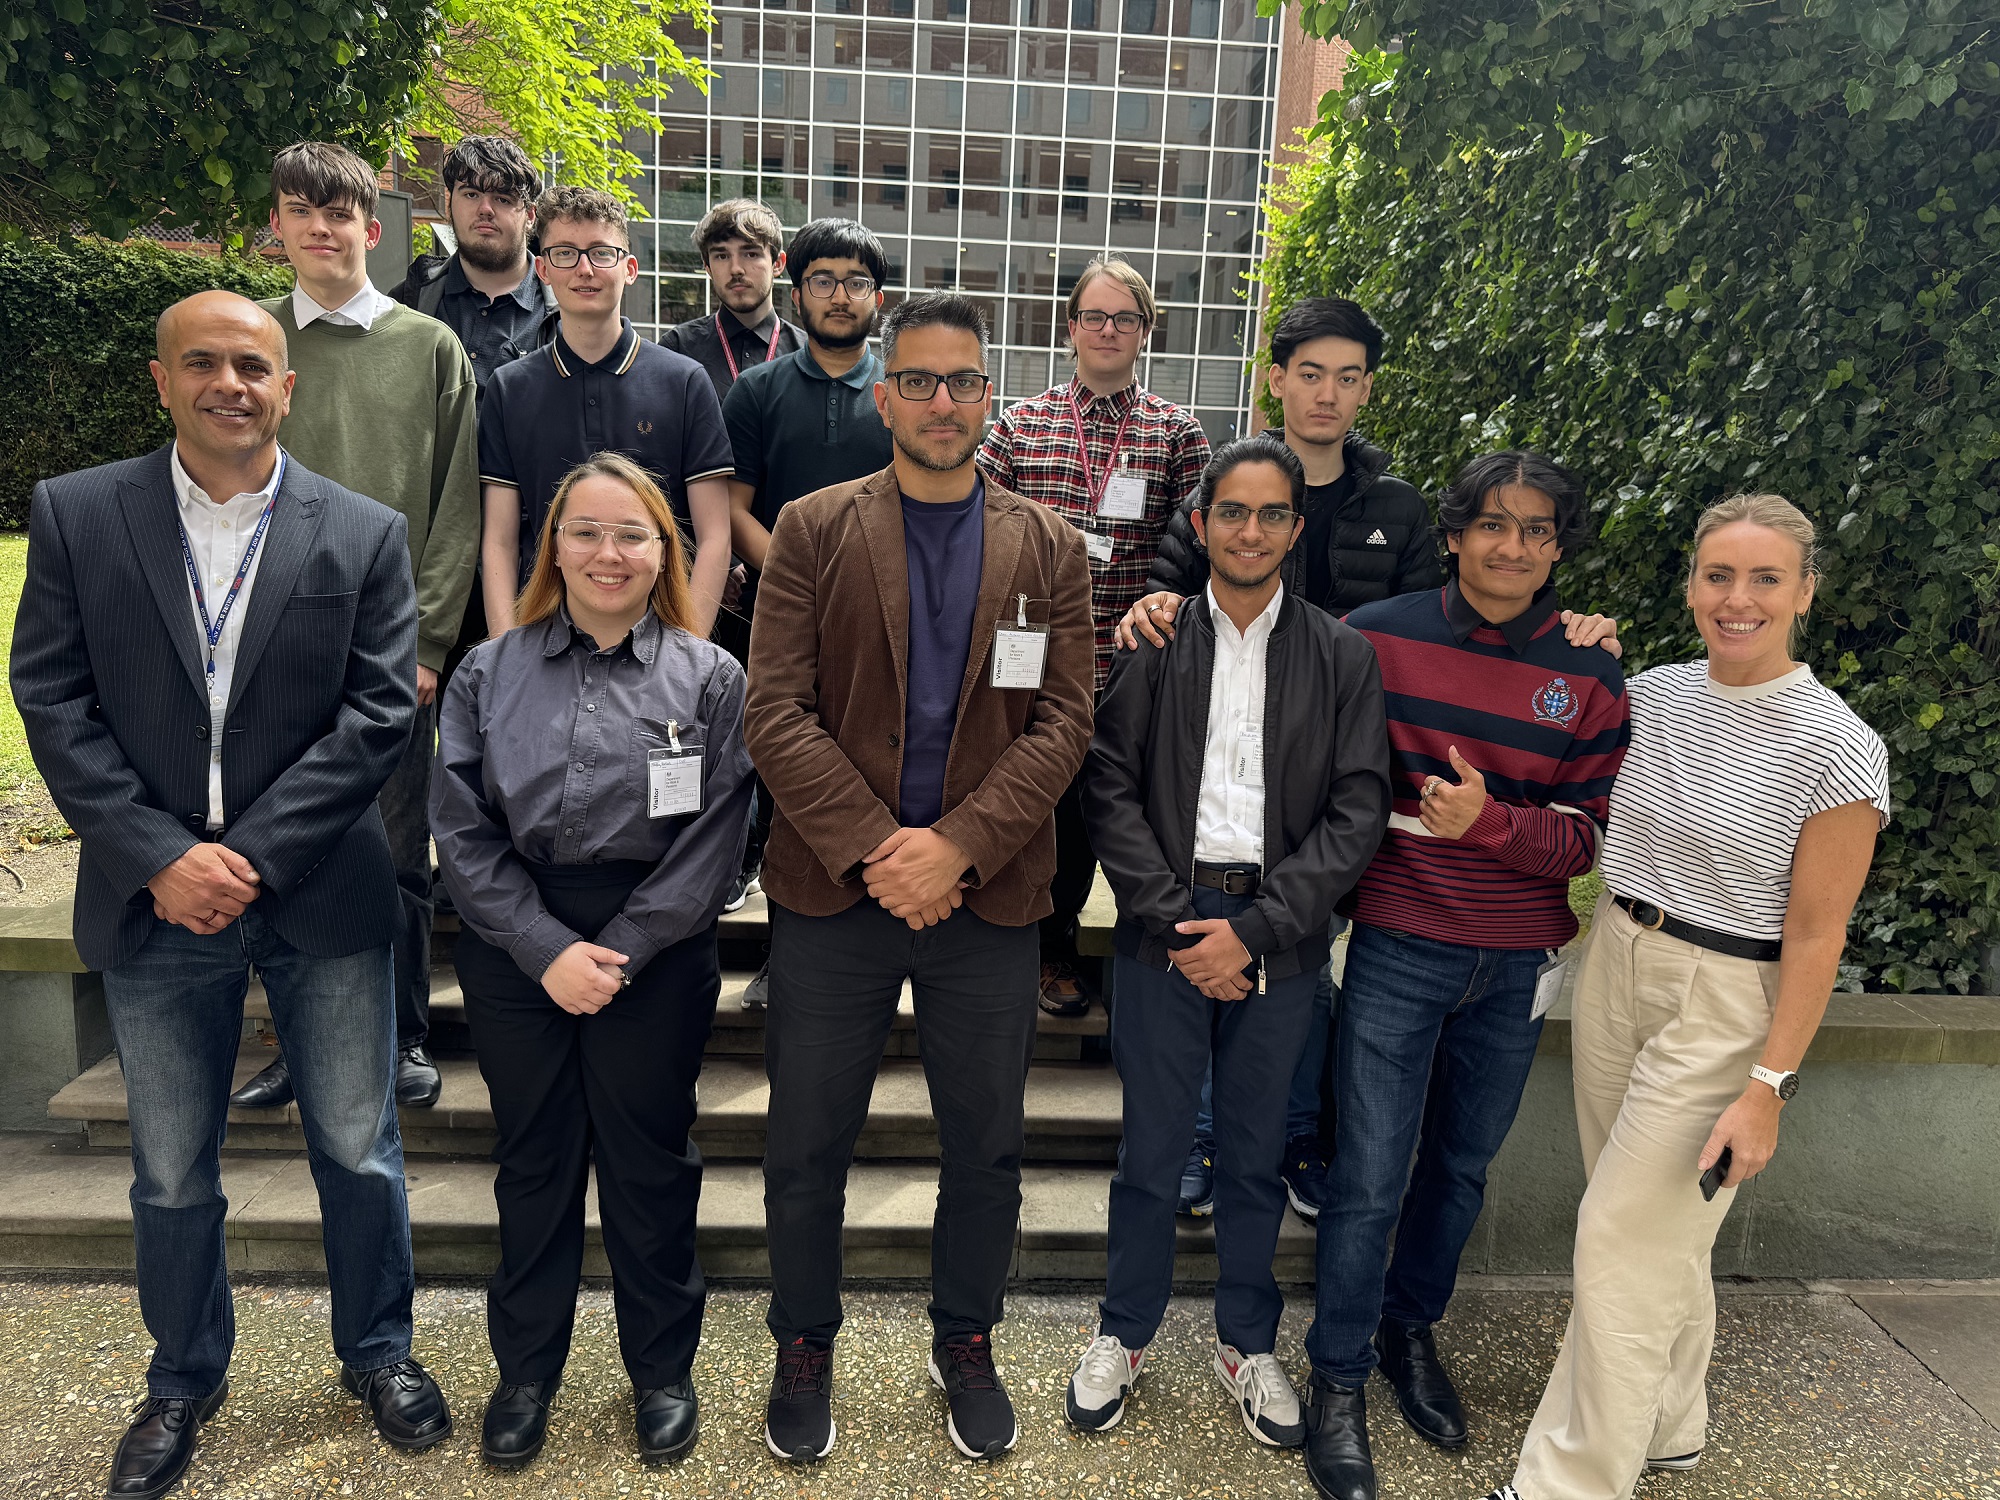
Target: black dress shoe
(1409,1360)
(417,1080)
(156,1448)
(1337,1458)
(270,1089)
(517,1420)
(668,1420)
(409,1408)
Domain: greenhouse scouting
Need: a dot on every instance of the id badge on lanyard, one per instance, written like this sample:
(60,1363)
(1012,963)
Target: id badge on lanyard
(673,777)
(1119,495)
(1020,650)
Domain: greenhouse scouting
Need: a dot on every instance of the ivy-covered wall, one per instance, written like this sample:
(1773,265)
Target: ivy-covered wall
(1693,249)
(76,331)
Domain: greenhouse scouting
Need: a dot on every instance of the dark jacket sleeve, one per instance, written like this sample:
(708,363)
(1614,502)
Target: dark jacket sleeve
(1179,566)
(93,784)
(1418,568)
(1148,889)
(1298,894)
(299,817)
(685,892)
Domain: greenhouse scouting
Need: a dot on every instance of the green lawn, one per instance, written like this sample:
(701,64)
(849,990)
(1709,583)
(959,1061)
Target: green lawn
(16,767)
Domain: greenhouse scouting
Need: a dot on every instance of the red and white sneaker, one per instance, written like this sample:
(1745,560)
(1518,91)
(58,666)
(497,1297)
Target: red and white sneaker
(1269,1405)
(1104,1377)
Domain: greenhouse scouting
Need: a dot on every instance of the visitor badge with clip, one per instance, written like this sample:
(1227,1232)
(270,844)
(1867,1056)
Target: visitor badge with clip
(1097,546)
(1548,985)
(1020,650)
(1124,497)
(673,777)
(1247,766)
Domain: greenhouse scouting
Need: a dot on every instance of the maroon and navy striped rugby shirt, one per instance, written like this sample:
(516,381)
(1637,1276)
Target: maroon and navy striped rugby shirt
(1544,722)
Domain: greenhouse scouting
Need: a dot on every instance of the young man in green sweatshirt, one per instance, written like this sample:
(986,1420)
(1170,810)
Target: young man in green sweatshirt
(384,405)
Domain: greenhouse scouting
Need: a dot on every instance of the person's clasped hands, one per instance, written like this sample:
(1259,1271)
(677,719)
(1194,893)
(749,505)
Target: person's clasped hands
(204,890)
(917,874)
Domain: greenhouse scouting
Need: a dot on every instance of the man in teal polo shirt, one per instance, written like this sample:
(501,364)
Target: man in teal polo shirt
(804,421)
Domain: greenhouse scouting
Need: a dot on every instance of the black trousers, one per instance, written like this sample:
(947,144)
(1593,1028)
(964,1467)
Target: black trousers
(1076,869)
(835,982)
(618,1089)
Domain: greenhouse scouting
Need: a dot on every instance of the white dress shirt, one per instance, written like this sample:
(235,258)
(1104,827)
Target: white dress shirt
(359,311)
(217,534)
(1229,818)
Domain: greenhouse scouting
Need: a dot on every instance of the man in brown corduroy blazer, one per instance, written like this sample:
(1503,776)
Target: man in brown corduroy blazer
(920,696)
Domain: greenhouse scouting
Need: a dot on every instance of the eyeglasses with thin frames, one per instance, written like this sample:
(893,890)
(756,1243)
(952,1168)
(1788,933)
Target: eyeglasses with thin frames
(964,386)
(1270,517)
(1125,322)
(564,257)
(583,537)
(822,283)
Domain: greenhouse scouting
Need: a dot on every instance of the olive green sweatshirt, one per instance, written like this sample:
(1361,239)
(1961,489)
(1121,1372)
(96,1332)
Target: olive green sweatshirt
(387,411)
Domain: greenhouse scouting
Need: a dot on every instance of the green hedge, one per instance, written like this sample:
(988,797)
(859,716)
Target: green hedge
(1797,292)
(76,331)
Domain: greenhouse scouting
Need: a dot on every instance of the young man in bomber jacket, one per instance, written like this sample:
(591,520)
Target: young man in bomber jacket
(1237,786)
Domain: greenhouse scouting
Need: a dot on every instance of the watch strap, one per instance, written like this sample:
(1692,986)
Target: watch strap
(1775,1080)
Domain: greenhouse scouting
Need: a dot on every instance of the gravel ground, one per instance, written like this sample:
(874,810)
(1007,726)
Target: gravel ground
(1810,1400)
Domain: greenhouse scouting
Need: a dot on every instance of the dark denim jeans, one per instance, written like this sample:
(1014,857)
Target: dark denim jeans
(1432,1048)
(176,1009)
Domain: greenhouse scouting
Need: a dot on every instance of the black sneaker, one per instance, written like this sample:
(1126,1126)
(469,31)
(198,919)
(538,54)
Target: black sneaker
(1198,1182)
(798,1424)
(757,993)
(1304,1172)
(982,1422)
(739,892)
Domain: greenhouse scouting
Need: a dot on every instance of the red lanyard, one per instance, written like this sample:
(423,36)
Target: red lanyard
(729,354)
(1093,485)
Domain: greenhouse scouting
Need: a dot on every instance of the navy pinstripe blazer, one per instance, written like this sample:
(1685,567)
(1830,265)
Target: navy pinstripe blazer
(107,673)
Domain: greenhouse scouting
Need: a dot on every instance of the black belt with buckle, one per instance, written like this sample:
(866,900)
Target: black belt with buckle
(1650,917)
(1231,880)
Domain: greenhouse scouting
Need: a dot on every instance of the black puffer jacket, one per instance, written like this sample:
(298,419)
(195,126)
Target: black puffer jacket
(1383,543)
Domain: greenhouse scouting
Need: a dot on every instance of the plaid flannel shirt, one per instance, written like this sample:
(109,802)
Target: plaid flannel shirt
(1031,450)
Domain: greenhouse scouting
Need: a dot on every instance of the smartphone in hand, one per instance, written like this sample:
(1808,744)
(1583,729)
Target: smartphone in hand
(1711,1180)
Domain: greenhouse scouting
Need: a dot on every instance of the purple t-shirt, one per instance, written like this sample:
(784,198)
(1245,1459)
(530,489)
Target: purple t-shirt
(945,545)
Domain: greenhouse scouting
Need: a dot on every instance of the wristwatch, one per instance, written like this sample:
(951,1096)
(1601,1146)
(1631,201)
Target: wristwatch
(1784,1085)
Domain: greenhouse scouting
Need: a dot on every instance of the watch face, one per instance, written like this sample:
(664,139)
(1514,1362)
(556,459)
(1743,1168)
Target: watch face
(1789,1087)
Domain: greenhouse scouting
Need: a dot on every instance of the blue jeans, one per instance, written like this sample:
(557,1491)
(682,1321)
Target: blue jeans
(1302,1112)
(1164,1036)
(1431,1052)
(176,1010)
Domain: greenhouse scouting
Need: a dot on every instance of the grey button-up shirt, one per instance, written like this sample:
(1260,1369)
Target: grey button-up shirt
(542,760)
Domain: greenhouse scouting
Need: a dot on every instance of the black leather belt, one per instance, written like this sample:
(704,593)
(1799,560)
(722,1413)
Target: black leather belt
(1650,917)
(1231,880)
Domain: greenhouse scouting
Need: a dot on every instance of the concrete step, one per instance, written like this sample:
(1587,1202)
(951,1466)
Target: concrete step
(1073,1112)
(63,1207)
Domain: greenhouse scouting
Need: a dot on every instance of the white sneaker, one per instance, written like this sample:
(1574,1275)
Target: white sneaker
(1505,1492)
(1104,1376)
(1269,1405)
(1679,1462)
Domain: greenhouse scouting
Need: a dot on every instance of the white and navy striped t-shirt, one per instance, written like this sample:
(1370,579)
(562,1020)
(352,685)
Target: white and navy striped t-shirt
(1706,811)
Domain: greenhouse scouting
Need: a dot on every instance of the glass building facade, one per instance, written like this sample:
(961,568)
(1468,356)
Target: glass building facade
(994,146)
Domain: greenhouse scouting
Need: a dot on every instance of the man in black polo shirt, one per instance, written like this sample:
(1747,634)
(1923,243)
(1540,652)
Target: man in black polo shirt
(597,388)
(742,247)
(807,420)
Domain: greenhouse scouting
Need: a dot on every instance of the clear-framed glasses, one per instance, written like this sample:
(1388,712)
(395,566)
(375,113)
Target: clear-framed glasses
(1270,517)
(582,537)
(563,257)
(1125,322)
(964,386)
(822,283)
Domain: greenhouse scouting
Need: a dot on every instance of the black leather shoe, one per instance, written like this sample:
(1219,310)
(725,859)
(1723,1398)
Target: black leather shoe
(417,1080)
(409,1408)
(1337,1457)
(668,1421)
(270,1089)
(1409,1360)
(517,1420)
(156,1448)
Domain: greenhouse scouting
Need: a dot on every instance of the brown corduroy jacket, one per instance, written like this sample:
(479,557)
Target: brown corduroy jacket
(825,713)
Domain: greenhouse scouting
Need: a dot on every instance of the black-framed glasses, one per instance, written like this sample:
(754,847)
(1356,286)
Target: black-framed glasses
(1270,517)
(822,283)
(588,536)
(964,386)
(1125,322)
(563,257)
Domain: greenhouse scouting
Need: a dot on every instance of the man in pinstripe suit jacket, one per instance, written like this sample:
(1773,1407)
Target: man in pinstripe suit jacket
(215,690)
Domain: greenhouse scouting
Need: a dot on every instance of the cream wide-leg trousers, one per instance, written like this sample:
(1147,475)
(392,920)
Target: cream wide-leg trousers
(1664,1037)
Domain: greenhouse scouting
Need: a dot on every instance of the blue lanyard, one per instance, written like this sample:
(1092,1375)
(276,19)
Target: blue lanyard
(213,629)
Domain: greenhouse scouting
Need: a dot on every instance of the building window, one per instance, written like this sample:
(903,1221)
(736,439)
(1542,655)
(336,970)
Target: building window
(836,92)
(1079,106)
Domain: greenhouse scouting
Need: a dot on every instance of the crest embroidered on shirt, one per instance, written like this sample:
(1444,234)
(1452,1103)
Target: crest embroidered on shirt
(1555,702)
(645,427)
(1376,539)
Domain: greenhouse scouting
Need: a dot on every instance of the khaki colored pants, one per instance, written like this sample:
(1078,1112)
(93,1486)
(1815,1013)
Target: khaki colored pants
(1665,1034)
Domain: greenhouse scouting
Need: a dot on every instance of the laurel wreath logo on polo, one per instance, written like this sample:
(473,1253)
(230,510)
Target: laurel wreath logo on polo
(1555,702)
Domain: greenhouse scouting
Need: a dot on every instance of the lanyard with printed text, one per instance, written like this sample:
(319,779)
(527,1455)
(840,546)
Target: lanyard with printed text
(212,630)
(729,354)
(1091,483)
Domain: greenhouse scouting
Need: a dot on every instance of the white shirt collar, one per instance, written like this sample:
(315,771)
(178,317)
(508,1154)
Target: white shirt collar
(361,310)
(188,493)
(1262,625)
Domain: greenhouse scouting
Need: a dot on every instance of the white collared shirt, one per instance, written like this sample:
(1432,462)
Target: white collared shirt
(217,535)
(359,311)
(1229,817)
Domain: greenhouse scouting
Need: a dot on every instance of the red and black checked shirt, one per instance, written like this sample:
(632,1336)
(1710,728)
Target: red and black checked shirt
(1031,450)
